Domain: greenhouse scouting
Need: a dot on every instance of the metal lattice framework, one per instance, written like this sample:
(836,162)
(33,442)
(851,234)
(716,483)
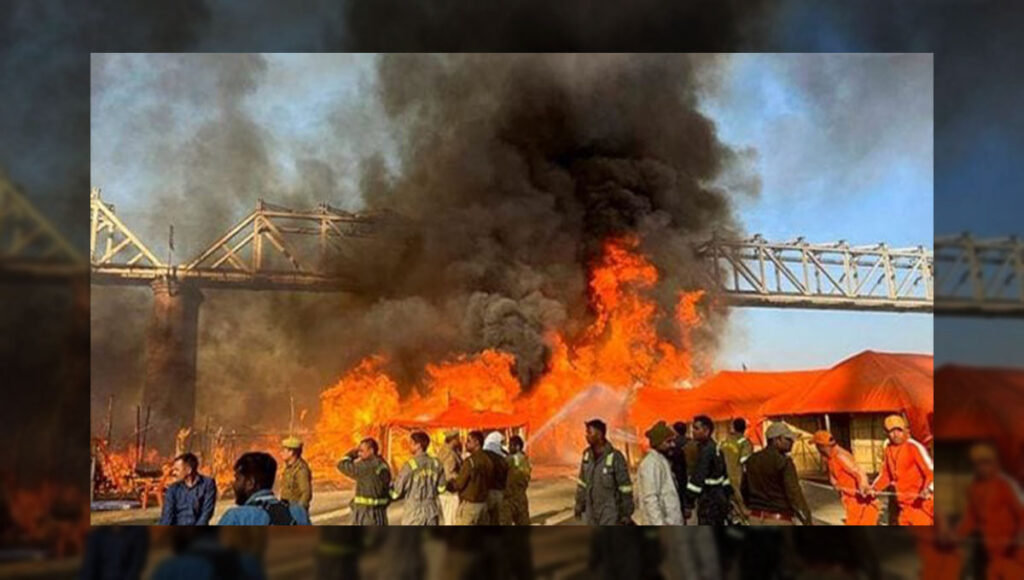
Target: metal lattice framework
(30,247)
(756,272)
(979,276)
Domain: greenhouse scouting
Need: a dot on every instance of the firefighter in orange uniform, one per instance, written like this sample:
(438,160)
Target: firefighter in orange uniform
(995,509)
(849,480)
(907,467)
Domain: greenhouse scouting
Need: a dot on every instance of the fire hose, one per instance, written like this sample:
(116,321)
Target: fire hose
(853,491)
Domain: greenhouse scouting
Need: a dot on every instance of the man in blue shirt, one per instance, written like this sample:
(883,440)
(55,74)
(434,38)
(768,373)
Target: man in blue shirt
(190,500)
(257,506)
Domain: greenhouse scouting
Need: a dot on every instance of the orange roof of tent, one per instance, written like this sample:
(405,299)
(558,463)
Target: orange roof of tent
(458,414)
(868,382)
(980,403)
(726,395)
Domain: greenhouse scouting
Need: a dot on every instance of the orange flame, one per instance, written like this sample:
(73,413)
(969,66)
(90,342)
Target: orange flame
(620,349)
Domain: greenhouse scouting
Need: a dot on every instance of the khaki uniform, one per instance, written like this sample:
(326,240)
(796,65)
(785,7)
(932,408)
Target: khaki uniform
(373,480)
(473,487)
(604,493)
(420,480)
(736,449)
(297,484)
(451,461)
(515,506)
(496,487)
(771,487)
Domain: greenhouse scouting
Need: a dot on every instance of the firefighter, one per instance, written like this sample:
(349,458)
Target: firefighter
(499,476)
(736,449)
(771,490)
(604,493)
(473,481)
(908,468)
(995,509)
(451,458)
(421,480)
(297,480)
(515,505)
(373,478)
(708,484)
(849,480)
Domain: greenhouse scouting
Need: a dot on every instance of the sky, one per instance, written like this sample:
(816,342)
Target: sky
(842,145)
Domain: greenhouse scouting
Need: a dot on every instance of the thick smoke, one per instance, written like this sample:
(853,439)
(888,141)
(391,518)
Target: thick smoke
(514,171)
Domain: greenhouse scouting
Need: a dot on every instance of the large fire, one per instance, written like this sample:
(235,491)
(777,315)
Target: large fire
(620,349)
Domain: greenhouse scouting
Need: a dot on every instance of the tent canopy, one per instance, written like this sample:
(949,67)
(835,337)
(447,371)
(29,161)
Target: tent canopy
(726,395)
(980,403)
(460,415)
(869,382)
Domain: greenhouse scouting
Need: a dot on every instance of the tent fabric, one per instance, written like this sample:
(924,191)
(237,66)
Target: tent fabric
(980,403)
(459,414)
(726,395)
(869,382)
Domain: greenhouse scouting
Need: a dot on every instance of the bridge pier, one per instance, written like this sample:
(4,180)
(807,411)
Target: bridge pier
(169,387)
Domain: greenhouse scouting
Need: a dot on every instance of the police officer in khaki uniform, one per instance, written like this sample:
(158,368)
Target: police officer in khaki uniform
(604,493)
(450,456)
(516,506)
(473,483)
(770,487)
(296,479)
(373,482)
(420,480)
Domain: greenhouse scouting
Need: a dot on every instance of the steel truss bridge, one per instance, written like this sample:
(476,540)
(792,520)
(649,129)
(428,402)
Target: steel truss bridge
(277,248)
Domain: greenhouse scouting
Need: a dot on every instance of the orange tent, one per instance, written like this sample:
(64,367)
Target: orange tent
(981,403)
(460,415)
(869,382)
(726,395)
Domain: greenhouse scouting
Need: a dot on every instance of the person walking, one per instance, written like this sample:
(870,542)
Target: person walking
(770,487)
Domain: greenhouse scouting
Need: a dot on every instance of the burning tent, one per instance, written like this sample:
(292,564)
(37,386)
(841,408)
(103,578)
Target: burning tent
(725,396)
(457,415)
(852,398)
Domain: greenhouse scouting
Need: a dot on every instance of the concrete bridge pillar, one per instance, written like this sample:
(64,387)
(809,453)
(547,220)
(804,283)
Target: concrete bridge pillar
(169,387)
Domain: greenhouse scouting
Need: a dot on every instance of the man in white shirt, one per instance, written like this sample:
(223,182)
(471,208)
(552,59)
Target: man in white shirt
(659,496)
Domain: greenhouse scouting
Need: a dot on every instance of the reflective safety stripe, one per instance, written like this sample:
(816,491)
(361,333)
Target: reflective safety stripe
(609,459)
(374,501)
(716,481)
(394,495)
(694,488)
(626,488)
(580,482)
(382,467)
(442,488)
(412,462)
(744,458)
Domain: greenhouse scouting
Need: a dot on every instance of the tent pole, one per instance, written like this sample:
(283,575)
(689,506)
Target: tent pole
(828,423)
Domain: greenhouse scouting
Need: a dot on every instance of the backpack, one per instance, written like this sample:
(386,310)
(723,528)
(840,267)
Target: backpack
(279,513)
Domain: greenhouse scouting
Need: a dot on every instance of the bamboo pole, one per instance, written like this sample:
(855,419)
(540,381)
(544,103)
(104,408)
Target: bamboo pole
(138,431)
(110,418)
(145,434)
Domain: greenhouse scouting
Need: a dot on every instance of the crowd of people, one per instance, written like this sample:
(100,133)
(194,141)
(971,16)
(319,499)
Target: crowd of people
(687,476)
(485,485)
